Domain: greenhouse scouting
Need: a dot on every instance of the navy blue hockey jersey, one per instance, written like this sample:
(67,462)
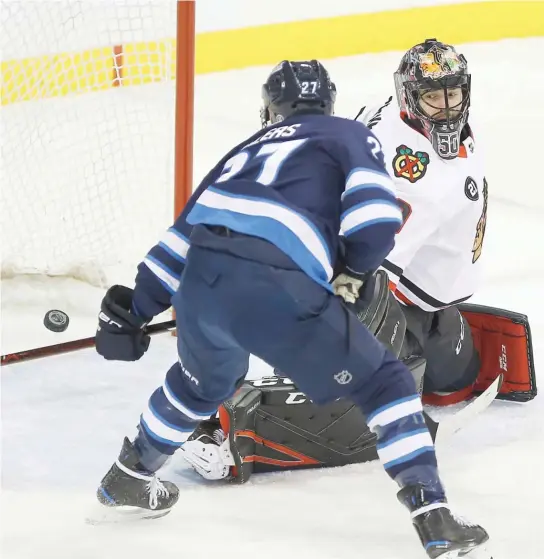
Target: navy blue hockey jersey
(306,185)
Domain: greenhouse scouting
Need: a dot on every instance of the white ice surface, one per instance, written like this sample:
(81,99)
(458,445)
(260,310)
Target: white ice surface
(63,418)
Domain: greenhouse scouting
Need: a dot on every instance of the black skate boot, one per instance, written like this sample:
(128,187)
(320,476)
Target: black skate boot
(442,534)
(132,492)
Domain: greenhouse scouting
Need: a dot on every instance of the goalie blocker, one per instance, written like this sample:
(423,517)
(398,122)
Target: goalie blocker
(271,426)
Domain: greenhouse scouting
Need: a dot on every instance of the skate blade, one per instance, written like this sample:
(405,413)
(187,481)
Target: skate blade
(480,552)
(122,515)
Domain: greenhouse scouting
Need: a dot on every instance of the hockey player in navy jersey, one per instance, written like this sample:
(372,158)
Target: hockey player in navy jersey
(255,264)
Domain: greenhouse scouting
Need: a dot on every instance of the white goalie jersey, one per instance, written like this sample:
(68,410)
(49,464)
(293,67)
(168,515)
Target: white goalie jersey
(436,259)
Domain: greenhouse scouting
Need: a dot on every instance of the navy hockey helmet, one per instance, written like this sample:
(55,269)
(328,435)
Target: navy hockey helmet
(433,87)
(294,87)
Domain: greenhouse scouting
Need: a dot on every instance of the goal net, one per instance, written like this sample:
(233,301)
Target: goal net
(88,135)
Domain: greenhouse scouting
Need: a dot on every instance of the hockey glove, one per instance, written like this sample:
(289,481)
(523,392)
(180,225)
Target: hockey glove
(121,334)
(348,285)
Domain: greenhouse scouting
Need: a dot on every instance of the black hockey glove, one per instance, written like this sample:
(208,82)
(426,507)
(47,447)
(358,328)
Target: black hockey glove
(121,334)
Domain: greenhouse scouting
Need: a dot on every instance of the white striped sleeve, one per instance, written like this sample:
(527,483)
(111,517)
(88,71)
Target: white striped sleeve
(369,213)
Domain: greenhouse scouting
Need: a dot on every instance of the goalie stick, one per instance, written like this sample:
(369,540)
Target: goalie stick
(443,430)
(74,345)
(454,423)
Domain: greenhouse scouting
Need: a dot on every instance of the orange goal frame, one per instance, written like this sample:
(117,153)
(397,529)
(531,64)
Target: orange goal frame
(185,88)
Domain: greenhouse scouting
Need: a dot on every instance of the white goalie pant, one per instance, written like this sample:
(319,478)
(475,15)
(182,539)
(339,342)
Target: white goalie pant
(212,459)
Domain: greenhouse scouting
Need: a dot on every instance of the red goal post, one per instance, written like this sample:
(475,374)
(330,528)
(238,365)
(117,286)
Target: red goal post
(185,87)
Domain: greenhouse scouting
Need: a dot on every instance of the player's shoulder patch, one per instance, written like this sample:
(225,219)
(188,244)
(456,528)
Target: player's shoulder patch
(409,165)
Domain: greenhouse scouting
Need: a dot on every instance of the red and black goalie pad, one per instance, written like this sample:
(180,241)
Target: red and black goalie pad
(274,427)
(503,341)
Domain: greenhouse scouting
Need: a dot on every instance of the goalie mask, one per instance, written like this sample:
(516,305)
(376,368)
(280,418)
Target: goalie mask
(433,87)
(297,87)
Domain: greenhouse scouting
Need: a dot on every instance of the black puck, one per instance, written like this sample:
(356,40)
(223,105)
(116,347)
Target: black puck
(56,320)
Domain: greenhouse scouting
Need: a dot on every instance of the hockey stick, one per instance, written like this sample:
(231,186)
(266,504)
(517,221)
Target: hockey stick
(74,345)
(450,425)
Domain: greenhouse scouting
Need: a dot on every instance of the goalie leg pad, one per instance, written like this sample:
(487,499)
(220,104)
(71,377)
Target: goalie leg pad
(269,426)
(503,340)
(237,416)
(272,427)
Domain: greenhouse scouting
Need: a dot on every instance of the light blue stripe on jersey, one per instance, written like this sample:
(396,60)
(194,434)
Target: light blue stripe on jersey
(285,228)
(394,411)
(360,178)
(164,274)
(175,244)
(163,430)
(407,457)
(368,213)
(193,415)
(163,440)
(397,449)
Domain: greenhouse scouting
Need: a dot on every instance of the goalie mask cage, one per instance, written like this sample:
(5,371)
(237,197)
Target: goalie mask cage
(97,111)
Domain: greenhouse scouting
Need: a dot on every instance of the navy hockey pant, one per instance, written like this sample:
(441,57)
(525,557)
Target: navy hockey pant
(228,307)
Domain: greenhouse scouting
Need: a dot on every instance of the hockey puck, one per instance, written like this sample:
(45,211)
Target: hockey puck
(56,321)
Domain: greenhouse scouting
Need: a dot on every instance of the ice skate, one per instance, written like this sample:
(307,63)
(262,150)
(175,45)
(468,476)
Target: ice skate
(442,534)
(129,492)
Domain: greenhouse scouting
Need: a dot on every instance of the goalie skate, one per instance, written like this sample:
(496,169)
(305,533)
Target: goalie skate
(207,450)
(128,492)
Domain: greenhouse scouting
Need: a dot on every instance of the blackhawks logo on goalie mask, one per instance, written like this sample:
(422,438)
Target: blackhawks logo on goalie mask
(409,165)
(438,62)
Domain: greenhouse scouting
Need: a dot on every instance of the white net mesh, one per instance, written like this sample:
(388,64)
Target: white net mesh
(87,139)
